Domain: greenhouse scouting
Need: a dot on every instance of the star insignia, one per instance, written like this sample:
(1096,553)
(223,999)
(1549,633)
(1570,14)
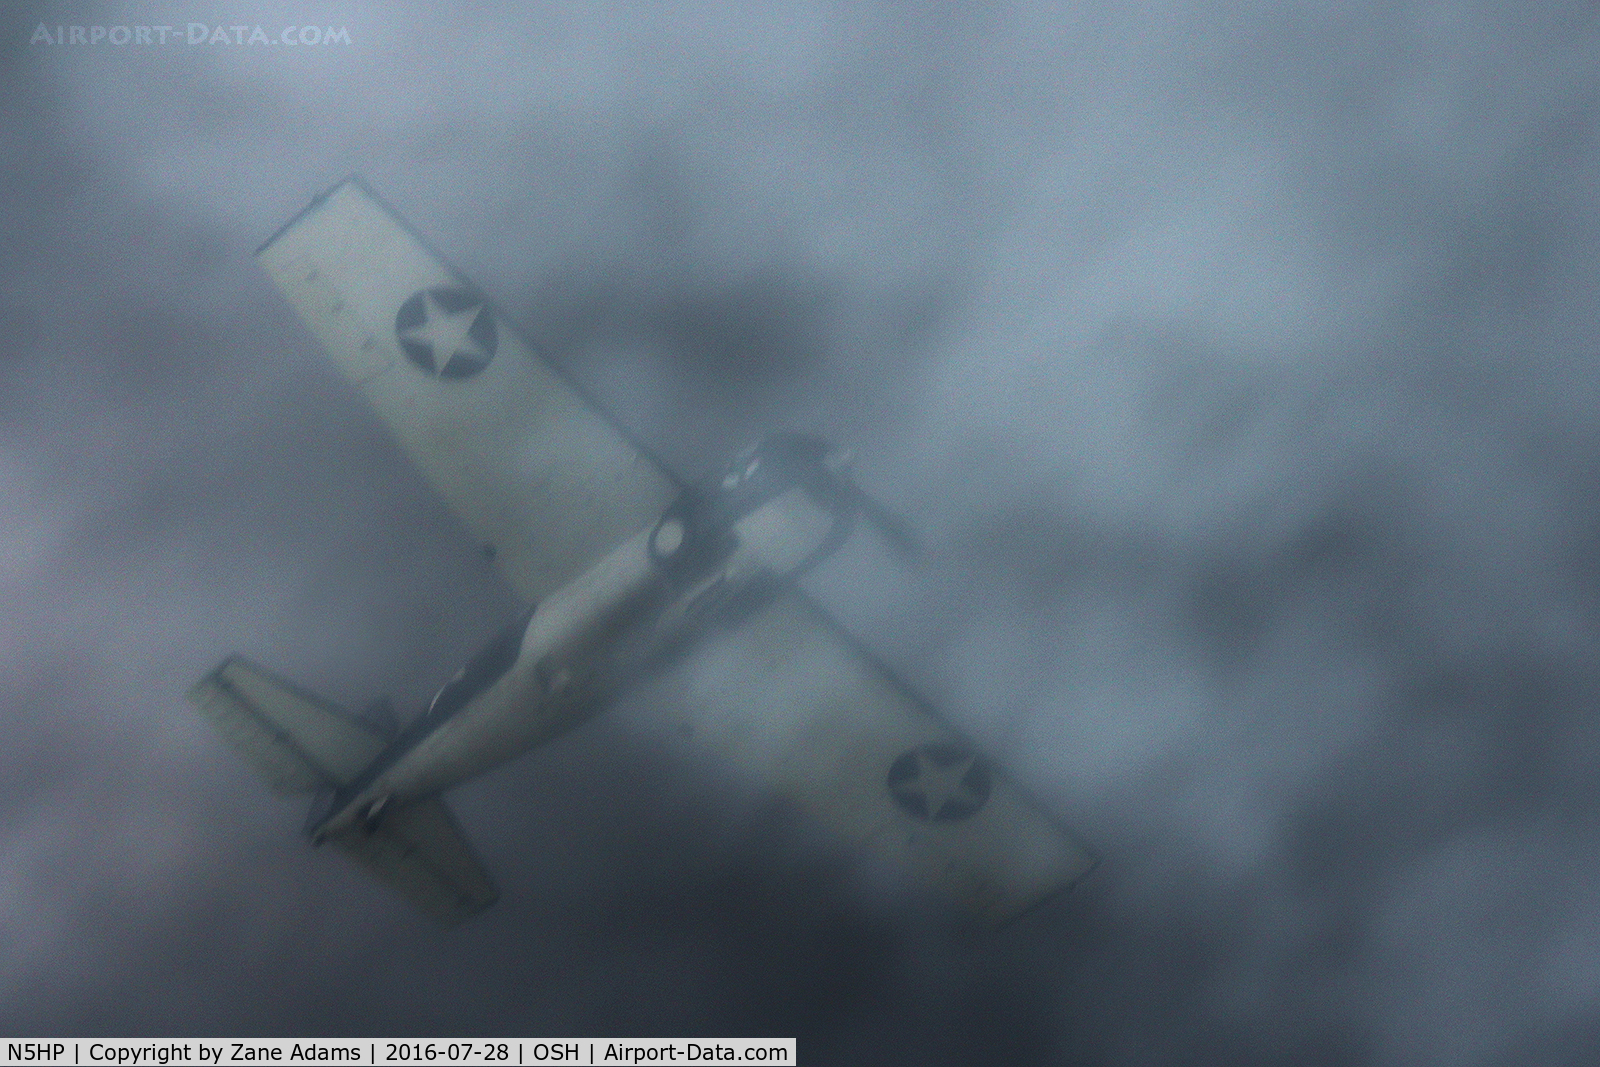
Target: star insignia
(940,782)
(447,331)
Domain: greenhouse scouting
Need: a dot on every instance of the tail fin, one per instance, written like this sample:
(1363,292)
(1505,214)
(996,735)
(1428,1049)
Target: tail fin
(300,743)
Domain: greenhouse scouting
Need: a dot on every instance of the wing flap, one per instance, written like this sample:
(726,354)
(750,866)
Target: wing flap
(419,851)
(294,739)
(535,470)
(794,707)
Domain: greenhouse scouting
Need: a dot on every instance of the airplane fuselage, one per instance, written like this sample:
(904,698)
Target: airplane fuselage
(721,546)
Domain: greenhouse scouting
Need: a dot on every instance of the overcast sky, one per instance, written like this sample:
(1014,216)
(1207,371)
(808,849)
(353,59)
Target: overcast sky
(1236,361)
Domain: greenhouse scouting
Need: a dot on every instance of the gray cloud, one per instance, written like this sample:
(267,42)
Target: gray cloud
(1235,361)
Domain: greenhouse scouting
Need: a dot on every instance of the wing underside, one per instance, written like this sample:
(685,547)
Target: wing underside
(791,705)
(539,474)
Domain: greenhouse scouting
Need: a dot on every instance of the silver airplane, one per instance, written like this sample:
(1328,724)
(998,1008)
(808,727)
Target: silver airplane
(635,573)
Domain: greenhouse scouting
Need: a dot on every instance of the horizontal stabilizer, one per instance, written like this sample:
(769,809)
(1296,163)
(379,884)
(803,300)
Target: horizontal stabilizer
(298,742)
(420,851)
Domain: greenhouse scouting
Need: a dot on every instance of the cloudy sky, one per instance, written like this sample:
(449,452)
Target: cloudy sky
(1236,361)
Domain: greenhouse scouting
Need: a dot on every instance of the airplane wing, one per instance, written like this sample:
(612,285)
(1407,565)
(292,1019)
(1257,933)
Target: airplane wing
(794,705)
(538,472)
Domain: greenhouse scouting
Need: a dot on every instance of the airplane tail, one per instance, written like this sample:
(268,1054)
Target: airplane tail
(301,743)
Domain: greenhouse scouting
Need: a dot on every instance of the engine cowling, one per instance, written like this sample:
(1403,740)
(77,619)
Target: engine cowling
(697,530)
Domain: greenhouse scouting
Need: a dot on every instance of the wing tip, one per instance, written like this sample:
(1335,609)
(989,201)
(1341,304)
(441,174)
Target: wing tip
(317,201)
(468,910)
(209,680)
(1012,916)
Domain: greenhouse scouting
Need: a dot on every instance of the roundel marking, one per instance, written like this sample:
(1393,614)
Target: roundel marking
(447,330)
(940,782)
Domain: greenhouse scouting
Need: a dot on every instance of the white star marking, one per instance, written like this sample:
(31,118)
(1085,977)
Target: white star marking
(939,785)
(446,333)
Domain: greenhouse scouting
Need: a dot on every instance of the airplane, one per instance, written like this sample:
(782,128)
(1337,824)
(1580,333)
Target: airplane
(634,573)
